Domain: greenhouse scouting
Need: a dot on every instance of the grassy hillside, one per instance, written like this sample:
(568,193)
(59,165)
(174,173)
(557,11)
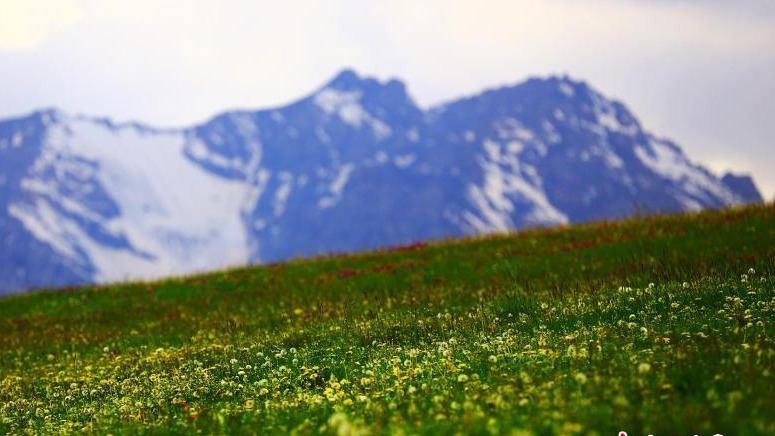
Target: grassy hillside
(656,325)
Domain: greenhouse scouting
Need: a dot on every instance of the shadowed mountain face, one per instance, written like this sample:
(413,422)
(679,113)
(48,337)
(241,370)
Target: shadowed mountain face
(356,165)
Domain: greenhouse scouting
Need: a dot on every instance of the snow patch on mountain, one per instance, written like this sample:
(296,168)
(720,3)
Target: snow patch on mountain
(16,140)
(282,193)
(336,187)
(510,128)
(346,104)
(174,216)
(607,117)
(666,160)
(198,150)
(40,219)
(506,183)
(566,89)
(404,161)
(255,186)
(611,159)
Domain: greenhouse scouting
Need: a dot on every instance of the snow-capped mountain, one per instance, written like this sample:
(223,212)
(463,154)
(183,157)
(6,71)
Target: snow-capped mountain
(356,165)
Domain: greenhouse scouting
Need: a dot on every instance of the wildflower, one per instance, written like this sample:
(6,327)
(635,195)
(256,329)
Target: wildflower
(492,359)
(644,367)
(462,378)
(581,378)
(233,361)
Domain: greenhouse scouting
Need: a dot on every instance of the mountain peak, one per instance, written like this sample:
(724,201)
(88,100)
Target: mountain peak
(369,90)
(345,79)
(743,185)
(349,80)
(563,84)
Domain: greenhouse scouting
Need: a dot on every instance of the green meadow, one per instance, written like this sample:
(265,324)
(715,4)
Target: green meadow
(655,325)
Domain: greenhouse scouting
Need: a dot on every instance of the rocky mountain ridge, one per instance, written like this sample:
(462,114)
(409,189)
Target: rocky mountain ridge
(356,165)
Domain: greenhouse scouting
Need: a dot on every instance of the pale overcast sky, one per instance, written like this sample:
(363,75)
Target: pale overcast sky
(700,72)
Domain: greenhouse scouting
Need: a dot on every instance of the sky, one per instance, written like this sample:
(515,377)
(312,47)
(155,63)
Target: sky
(700,72)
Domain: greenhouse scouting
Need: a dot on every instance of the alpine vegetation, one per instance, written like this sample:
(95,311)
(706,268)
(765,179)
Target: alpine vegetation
(661,325)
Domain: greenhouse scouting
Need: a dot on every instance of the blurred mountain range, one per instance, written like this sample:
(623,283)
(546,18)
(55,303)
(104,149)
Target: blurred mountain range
(356,165)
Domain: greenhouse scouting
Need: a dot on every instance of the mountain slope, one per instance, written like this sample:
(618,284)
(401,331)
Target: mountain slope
(586,329)
(354,166)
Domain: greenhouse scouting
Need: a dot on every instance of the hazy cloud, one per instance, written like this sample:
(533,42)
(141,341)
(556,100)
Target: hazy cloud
(24,24)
